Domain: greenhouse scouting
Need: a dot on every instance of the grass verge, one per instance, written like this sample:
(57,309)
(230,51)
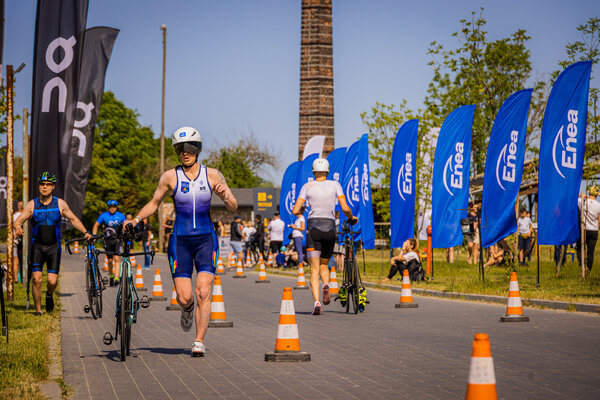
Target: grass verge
(24,360)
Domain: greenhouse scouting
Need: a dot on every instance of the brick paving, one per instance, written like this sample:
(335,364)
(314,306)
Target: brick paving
(421,353)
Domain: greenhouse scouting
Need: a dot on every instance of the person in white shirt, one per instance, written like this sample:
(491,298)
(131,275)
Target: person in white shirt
(247,236)
(589,208)
(525,228)
(321,195)
(408,252)
(298,235)
(275,228)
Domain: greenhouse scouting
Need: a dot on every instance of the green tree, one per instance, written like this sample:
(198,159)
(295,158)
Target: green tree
(588,48)
(479,72)
(125,161)
(244,162)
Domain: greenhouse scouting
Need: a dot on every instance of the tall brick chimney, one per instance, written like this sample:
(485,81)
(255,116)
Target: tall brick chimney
(316,75)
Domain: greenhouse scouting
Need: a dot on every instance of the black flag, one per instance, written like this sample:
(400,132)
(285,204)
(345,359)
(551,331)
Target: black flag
(97,48)
(60,26)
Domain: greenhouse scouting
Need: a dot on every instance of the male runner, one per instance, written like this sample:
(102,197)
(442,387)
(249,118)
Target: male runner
(321,194)
(193,239)
(111,219)
(46,211)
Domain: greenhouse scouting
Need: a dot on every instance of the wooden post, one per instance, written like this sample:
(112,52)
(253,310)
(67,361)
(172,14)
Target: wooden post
(9,184)
(161,230)
(25,195)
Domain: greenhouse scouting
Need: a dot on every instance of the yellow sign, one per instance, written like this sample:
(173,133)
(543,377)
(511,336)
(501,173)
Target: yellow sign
(265,204)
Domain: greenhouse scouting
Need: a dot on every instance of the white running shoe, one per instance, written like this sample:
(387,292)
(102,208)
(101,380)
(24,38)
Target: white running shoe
(198,349)
(187,318)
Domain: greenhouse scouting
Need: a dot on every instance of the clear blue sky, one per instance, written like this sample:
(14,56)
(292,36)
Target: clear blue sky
(233,65)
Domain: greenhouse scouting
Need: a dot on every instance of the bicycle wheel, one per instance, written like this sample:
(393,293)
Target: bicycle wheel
(90,287)
(354,284)
(130,312)
(254,257)
(99,290)
(124,315)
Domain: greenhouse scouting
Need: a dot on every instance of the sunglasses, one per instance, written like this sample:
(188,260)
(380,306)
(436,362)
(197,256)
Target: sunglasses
(188,147)
(46,184)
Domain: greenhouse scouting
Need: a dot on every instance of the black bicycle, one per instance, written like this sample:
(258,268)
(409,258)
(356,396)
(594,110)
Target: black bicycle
(352,289)
(94,282)
(128,302)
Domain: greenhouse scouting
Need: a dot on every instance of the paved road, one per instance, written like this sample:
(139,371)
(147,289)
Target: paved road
(421,353)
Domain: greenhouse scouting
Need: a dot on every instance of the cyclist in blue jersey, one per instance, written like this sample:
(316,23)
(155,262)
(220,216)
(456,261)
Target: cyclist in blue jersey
(111,219)
(45,212)
(193,239)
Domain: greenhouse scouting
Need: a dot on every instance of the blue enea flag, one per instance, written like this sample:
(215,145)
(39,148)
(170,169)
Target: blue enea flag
(402,183)
(451,171)
(561,155)
(504,168)
(287,197)
(336,164)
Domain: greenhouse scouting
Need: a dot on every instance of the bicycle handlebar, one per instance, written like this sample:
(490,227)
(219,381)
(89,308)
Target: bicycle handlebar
(92,240)
(123,254)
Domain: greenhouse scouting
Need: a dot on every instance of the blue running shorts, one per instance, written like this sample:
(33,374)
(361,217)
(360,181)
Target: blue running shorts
(186,251)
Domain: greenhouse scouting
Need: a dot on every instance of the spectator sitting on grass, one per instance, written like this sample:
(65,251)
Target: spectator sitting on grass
(291,256)
(408,252)
(499,253)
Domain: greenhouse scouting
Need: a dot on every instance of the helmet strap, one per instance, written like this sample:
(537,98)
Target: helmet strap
(43,198)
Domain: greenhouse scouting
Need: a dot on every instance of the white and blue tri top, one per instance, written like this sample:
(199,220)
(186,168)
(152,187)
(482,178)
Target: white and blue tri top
(192,204)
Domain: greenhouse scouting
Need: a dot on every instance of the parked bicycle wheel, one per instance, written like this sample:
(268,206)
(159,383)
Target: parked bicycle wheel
(355,292)
(90,287)
(124,316)
(99,290)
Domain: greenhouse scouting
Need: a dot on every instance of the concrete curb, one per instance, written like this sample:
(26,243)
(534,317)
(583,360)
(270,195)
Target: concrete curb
(555,305)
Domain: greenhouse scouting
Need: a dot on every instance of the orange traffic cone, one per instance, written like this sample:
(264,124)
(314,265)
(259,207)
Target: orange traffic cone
(220,268)
(270,259)
(133,262)
(333,284)
(406,300)
(76,248)
(239,272)
(262,273)
(218,319)
(174,306)
(514,309)
(482,379)
(139,280)
(301,283)
(248,262)
(230,260)
(157,289)
(105,263)
(287,344)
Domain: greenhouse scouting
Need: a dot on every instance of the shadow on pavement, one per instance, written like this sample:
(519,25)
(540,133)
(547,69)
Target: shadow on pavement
(164,350)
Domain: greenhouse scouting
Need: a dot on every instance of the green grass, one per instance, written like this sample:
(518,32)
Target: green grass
(464,278)
(24,360)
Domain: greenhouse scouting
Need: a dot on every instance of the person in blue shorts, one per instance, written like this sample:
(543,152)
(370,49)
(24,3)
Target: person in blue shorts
(46,212)
(110,220)
(194,239)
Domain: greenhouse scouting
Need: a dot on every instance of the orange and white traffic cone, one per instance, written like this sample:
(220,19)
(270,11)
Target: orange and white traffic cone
(333,283)
(174,306)
(287,344)
(218,318)
(105,263)
(482,378)
(270,259)
(262,273)
(231,260)
(76,248)
(248,261)
(514,309)
(139,280)
(406,300)
(239,272)
(220,268)
(301,283)
(133,262)
(157,289)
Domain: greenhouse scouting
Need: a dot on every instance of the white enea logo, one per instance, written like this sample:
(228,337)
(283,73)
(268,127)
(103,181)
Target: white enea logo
(508,161)
(365,184)
(568,157)
(353,188)
(404,183)
(290,199)
(456,172)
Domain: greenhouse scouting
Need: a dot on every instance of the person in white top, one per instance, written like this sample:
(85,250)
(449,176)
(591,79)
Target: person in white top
(408,252)
(276,228)
(525,228)
(590,210)
(298,235)
(248,235)
(321,195)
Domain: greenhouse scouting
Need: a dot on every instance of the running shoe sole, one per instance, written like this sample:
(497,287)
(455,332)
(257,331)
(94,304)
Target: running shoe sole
(186,323)
(326,295)
(317,310)
(198,352)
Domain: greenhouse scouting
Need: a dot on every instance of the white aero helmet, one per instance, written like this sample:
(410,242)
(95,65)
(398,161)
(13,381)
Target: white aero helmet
(320,165)
(187,139)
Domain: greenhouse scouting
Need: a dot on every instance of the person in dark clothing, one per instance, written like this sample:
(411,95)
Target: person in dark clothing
(259,236)
(146,243)
(235,237)
(401,262)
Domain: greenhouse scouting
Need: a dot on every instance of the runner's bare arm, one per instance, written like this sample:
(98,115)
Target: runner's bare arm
(221,189)
(25,215)
(298,207)
(166,184)
(345,209)
(66,212)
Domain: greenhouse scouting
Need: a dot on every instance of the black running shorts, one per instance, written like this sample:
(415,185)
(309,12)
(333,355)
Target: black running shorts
(48,254)
(320,237)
